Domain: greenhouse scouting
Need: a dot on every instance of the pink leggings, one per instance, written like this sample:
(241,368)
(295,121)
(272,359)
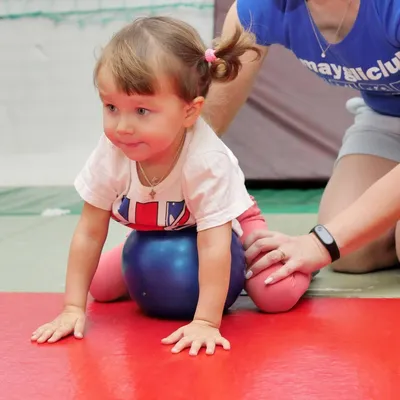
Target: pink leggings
(108,283)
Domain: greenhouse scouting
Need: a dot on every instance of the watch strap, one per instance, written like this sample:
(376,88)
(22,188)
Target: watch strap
(327,240)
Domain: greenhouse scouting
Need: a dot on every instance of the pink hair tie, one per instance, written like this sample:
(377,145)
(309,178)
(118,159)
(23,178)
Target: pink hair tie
(210,55)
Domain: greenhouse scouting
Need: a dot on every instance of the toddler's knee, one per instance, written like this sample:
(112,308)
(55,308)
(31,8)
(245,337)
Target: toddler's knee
(103,292)
(108,284)
(279,297)
(100,291)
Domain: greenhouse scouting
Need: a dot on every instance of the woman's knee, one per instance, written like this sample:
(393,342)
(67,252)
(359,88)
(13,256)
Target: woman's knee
(353,175)
(397,238)
(356,263)
(376,255)
(279,297)
(108,284)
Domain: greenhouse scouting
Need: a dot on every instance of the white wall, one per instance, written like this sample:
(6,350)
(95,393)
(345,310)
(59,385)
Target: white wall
(50,115)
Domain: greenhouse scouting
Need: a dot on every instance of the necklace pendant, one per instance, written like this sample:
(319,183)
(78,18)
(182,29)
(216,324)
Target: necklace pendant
(323,55)
(152,194)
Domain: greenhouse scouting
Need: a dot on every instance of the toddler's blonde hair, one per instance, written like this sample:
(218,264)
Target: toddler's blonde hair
(151,47)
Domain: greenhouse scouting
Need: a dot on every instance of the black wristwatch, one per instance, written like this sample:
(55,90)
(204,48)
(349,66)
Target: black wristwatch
(327,240)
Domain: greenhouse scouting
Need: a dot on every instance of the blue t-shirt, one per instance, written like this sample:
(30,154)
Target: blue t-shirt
(367,59)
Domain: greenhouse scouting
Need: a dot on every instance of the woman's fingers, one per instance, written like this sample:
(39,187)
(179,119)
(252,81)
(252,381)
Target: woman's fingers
(266,261)
(285,271)
(261,246)
(256,235)
(296,253)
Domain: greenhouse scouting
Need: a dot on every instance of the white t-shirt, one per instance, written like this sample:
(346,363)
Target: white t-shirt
(205,188)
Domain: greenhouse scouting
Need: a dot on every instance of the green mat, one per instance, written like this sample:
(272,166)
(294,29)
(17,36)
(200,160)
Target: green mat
(25,201)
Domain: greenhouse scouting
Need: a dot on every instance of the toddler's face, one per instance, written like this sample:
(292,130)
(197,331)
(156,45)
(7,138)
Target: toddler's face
(143,127)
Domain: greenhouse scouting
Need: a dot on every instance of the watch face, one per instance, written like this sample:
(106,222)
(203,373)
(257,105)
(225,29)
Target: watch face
(324,234)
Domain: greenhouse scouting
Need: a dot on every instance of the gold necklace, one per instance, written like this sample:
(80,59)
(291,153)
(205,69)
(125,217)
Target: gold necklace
(323,54)
(155,181)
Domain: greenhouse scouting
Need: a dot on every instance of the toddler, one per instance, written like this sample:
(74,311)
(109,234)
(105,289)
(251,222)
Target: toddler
(158,165)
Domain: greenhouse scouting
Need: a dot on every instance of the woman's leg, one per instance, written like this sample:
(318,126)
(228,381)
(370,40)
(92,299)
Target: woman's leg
(108,283)
(398,240)
(352,175)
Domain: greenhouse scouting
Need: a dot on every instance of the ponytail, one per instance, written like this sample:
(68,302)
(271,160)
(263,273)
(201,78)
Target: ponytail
(226,63)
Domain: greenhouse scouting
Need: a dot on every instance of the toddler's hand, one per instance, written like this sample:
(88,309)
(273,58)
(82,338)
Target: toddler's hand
(72,319)
(196,335)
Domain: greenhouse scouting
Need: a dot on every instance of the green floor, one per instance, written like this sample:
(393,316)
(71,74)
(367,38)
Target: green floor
(33,201)
(34,242)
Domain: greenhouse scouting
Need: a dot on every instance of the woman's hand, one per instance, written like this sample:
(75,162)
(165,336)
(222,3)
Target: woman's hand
(298,253)
(196,335)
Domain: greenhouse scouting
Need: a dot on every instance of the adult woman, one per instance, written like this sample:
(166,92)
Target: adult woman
(346,42)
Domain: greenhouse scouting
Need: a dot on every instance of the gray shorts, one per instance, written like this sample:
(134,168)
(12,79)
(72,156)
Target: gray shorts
(372,133)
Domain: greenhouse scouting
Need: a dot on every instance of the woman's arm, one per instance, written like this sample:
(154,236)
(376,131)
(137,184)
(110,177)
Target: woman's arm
(372,214)
(225,99)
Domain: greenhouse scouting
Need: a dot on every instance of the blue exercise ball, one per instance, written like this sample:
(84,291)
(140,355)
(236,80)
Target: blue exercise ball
(161,271)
